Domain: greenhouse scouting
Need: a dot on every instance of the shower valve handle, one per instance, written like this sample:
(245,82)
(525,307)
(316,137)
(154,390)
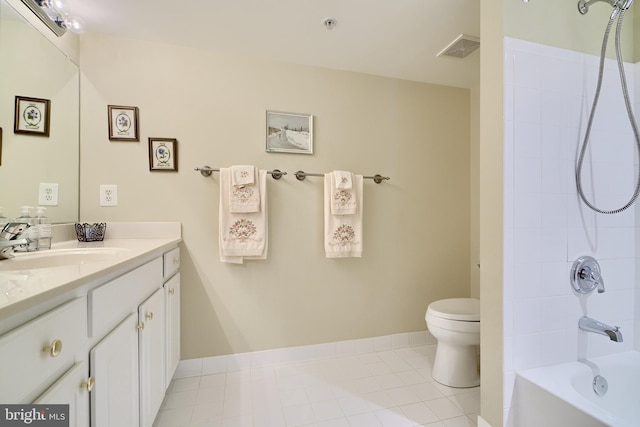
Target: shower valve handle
(585,276)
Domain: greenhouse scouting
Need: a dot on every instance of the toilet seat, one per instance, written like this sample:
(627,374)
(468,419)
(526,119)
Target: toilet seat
(458,309)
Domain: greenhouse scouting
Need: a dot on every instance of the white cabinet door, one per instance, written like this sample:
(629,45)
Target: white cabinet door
(152,356)
(172,299)
(114,367)
(71,389)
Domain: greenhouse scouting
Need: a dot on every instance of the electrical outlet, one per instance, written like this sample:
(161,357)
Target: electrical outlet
(108,195)
(48,194)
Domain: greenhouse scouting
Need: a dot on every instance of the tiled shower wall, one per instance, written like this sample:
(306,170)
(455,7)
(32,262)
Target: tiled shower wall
(548,96)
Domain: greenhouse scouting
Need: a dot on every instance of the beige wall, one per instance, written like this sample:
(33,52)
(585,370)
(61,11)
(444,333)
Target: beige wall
(558,23)
(417,226)
(491,210)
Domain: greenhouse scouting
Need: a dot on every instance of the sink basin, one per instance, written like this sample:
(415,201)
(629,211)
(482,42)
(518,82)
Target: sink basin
(59,258)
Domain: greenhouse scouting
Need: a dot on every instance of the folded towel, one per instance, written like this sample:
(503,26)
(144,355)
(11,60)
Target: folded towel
(343,233)
(343,200)
(242,175)
(344,179)
(242,235)
(244,197)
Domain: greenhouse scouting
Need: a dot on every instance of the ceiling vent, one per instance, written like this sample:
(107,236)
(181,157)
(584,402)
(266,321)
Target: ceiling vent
(462,46)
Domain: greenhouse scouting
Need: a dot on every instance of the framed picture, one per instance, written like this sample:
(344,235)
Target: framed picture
(289,132)
(123,123)
(163,154)
(32,116)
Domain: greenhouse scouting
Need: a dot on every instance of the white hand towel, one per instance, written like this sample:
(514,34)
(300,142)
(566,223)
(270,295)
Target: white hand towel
(343,233)
(242,175)
(344,179)
(244,197)
(344,201)
(242,235)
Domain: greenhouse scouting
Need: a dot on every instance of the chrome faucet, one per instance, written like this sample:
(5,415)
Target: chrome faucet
(591,325)
(11,237)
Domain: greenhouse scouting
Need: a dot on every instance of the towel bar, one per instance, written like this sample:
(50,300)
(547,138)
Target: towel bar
(300,176)
(208,170)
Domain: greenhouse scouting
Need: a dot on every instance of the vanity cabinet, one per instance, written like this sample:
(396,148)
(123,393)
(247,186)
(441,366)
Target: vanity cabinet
(114,368)
(109,352)
(171,276)
(172,300)
(35,355)
(73,389)
(151,340)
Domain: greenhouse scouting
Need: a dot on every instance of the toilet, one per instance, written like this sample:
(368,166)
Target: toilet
(455,324)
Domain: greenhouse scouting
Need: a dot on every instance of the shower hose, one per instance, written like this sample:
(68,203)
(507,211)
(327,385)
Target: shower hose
(623,82)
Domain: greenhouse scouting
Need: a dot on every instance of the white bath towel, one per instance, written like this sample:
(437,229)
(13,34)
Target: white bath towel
(343,233)
(242,175)
(344,179)
(244,191)
(344,201)
(242,235)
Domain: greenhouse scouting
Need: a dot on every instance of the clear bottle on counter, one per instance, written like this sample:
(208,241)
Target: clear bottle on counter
(30,233)
(43,226)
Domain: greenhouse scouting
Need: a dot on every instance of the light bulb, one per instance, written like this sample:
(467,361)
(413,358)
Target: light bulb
(74,24)
(60,6)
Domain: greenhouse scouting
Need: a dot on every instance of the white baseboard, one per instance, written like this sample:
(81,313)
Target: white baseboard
(240,361)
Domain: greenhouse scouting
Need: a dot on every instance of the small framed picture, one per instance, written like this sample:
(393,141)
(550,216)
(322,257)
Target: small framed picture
(32,116)
(163,154)
(123,123)
(289,132)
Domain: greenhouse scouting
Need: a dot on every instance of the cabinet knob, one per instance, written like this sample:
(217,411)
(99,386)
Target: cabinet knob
(140,326)
(54,349)
(149,315)
(172,291)
(176,261)
(89,384)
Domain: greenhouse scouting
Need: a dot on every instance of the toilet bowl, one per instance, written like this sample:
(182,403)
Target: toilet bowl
(455,324)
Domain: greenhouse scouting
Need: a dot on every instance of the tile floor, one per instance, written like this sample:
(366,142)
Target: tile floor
(382,389)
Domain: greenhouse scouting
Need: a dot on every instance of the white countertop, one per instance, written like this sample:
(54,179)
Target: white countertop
(24,288)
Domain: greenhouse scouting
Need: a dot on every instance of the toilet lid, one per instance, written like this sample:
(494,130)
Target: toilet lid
(467,309)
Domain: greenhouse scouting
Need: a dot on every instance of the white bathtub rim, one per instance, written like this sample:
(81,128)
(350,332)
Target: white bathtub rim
(563,390)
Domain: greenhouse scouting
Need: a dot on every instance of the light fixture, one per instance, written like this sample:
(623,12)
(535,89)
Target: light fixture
(55,15)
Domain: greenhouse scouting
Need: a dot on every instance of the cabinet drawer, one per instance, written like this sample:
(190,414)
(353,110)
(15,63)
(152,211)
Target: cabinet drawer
(34,355)
(171,261)
(113,301)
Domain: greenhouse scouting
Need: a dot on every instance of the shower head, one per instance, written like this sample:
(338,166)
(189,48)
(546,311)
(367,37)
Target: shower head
(583,6)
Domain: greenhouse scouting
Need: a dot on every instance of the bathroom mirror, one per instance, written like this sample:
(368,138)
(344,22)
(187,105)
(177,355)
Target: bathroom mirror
(32,67)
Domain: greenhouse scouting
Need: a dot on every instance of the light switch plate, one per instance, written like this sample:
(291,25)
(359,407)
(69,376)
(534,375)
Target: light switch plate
(108,195)
(48,194)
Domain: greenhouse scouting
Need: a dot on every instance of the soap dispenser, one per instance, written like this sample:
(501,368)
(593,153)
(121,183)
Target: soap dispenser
(30,233)
(43,226)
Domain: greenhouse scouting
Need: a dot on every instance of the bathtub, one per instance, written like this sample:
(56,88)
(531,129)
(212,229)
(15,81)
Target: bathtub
(562,395)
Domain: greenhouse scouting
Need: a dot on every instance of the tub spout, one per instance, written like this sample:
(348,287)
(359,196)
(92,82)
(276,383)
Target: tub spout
(591,325)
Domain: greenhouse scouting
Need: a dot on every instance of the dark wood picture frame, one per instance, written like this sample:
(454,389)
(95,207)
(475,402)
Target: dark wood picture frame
(123,123)
(32,116)
(163,154)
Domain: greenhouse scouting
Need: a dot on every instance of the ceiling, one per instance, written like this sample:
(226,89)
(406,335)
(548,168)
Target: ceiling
(392,38)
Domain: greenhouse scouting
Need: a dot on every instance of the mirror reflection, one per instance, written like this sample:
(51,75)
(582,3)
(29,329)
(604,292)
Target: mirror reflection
(32,67)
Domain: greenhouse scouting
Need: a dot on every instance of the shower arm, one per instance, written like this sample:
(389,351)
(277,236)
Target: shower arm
(583,6)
